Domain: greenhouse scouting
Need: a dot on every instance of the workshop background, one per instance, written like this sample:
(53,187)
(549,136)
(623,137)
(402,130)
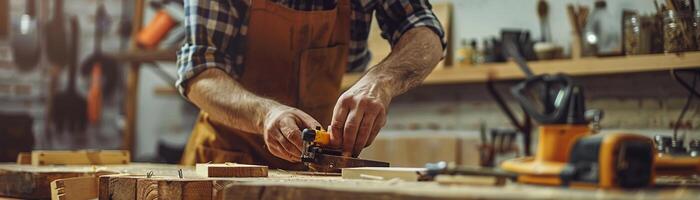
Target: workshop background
(441,120)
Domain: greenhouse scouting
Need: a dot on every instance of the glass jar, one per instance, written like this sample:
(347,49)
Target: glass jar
(601,35)
(633,35)
(678,31)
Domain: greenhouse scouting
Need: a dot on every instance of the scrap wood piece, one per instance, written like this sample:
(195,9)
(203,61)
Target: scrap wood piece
(117,187)
(383,173)
(24,158)
(141,187)
(34,182)
(82,157)
(77,188)
(230,170)
(470,180)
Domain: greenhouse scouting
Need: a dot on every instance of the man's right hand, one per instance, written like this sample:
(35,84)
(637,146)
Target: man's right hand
(282,133)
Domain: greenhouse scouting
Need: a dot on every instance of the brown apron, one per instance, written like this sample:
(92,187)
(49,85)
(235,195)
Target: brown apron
(294,57)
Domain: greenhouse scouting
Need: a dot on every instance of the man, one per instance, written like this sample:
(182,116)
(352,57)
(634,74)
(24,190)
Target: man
(262,70)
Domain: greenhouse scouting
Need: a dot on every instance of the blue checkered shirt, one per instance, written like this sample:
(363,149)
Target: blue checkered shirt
(216,30)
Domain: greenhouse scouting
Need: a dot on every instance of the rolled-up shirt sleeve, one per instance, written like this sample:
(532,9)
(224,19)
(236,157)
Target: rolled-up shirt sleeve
(396,17)
(211,27)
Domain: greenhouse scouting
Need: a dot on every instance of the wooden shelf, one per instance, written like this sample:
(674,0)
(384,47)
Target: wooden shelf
(580,67)
(165,55)
(510,71)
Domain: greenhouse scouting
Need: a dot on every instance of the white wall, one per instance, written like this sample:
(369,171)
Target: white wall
(478,19)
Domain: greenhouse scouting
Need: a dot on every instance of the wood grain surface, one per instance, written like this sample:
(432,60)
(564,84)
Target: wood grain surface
(25,181)
(33,182)
(230,170)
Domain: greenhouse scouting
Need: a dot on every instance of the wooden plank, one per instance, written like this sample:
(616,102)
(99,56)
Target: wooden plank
(400,150)
(167,55)
(470,180)
(181,189)
(230,170)
(330,188)
(24,158)
(580,67)
(33,182)
(78,188)
(117,187)
(383,173)
(81,157)
(144,188)
(132,82)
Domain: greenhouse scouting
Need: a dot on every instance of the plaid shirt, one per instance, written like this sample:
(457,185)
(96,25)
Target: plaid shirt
(216,30)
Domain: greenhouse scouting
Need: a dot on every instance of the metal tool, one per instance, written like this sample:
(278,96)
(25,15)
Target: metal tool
(318,157)
(568,154)
(25,40)
(57,38)
(70,109)
(442,167)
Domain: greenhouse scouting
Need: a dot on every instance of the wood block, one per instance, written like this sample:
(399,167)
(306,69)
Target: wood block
(34,182)
(80,157)
(383,173)
(470,180)
(78,188)
(230,170)
(24,158)
(117,187)
(401,150)
(146,189)
(184,189)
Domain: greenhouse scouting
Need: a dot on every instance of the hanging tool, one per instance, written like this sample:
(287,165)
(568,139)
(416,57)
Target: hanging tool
(567,154)
(70,109)
(109,74)
(524,127)
(318,157)
(57,46)
(166,18)
(25,40)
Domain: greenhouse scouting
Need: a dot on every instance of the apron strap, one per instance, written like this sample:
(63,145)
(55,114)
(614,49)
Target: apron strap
(258,4)
(341,35)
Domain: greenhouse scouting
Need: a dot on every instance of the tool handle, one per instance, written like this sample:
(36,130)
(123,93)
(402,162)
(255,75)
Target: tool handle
(318,136)
(31,8)
(58,10)
(101,25)
(512,51)
(73,55)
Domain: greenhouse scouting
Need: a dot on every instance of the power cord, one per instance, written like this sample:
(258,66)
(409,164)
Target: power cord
(691,93)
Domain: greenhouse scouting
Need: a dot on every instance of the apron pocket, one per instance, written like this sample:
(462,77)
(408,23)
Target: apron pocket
(215,155)
(320,75)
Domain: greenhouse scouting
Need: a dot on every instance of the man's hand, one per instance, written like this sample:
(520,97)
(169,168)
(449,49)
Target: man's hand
(361,111)
(282,132)
(358,116)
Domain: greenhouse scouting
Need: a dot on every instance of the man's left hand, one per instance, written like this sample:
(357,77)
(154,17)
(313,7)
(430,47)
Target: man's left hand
(358,116)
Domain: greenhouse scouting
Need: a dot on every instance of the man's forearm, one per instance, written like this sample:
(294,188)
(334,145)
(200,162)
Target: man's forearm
(227,102)
(410,61)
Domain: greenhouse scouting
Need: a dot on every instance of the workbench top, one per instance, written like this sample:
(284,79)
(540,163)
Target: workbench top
(25,181)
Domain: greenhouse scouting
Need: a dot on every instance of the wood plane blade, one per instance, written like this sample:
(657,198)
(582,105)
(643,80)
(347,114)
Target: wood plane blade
(333,163)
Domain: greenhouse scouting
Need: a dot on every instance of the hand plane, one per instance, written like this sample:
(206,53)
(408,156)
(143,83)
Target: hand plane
(317,155)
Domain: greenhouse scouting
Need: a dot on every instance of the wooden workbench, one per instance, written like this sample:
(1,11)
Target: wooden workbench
(23,181)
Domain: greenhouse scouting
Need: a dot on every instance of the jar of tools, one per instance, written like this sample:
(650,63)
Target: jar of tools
(632,35)
(679,33)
